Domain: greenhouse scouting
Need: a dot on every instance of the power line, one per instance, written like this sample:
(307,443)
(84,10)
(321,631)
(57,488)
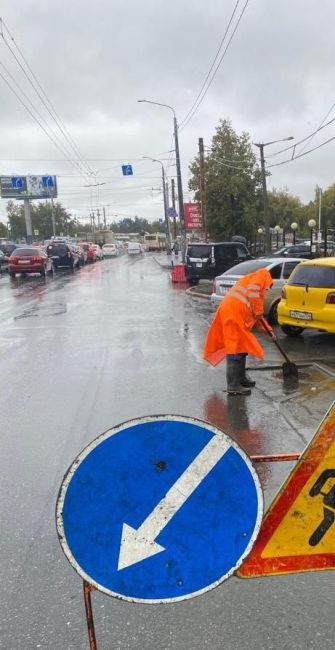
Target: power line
(300,155)
(34,117)
(213,63)
(319,127)
(203,93)
(53,114)
(293,146)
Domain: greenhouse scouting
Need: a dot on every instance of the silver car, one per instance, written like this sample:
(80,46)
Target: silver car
(280,269)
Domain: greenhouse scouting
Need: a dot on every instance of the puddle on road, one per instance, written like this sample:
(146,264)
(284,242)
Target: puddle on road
(54,309)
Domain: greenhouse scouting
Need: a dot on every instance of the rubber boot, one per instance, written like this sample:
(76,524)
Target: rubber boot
(245,379)
(234,386)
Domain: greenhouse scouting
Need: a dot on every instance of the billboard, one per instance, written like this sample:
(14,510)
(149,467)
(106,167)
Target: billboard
(192,216)
(28,187)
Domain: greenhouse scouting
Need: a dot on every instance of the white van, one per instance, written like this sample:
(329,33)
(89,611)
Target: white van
(135,248)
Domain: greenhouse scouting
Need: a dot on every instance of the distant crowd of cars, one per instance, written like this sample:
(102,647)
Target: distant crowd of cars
(58,253)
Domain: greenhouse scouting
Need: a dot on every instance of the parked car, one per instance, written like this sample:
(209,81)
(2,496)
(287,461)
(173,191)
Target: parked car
(207,260)
(63,255)
(110,250)
(135,248)
(308,298)
(280,270)
(82,254)
(299,250)
(98,251)
(8,247)
(29,259)
(3,261)
(90,251)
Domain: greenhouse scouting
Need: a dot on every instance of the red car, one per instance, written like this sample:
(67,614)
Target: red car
(29,259)
(88,247)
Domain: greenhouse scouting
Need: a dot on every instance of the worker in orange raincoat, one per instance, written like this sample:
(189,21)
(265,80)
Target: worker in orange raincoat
(230,332)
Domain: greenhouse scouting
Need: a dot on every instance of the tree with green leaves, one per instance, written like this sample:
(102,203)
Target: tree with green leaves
(41,219)
(233,182)
(285,208)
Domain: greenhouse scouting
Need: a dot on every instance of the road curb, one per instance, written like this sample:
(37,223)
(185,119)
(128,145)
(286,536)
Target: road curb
(197,294)
(163,266)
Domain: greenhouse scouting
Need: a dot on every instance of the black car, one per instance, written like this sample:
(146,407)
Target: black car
(3,261)
(63,255)
(304,250)
(207,260)
(8,247)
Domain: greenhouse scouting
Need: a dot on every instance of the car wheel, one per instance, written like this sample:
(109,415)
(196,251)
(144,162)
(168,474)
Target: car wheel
(193,281)
(292,330)
(51,270)
(42,273)
(12,274)
(273,313)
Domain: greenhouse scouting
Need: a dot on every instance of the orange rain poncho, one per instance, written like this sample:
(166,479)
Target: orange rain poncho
(237,314)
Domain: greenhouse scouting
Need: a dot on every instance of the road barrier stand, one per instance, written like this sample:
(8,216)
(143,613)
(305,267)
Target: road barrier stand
(178,273)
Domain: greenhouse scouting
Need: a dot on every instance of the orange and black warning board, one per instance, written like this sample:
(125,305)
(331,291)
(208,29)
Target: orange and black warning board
(298,531)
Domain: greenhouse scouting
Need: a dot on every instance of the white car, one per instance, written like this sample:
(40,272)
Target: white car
(280,269)
(98,252)
(135,248)
(110,250)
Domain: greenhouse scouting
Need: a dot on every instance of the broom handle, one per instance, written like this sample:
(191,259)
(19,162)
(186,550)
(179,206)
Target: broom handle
(269,331)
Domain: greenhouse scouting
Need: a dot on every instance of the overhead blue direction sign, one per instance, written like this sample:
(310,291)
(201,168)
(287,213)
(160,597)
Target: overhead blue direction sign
(159,509)
(127,170)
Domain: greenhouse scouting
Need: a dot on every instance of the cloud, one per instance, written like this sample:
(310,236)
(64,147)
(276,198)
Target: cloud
(95,59)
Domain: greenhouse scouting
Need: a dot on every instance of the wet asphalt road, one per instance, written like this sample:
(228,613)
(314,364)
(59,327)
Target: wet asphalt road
(84,352)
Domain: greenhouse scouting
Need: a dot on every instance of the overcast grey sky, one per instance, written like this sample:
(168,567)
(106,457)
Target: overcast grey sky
(95,59)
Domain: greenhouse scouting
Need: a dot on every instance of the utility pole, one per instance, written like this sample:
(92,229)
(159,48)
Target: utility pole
(202,186)
(173,199)
(260,145)
(320,203)
(180,190)
(98,215)
(27,218)
(53,220)
(104,211)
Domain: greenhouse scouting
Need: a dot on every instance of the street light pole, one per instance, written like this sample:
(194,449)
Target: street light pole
(166,217)
(179,179)
(261,146)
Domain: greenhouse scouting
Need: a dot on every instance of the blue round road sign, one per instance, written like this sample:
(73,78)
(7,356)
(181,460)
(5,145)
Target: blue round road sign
(159,509)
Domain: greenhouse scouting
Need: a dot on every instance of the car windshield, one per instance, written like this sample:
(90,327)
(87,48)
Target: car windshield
(246,267)
(199,251)
(315,276)
(58,249)
(26,252)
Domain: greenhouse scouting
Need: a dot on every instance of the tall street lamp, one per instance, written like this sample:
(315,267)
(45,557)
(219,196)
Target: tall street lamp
(311,225)
(179,181)
(166,218)
(277,231)
(294,227)
(261,146)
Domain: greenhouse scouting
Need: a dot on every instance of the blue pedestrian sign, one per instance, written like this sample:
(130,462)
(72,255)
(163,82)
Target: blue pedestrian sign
(172,212)
(159,509)
(127,170)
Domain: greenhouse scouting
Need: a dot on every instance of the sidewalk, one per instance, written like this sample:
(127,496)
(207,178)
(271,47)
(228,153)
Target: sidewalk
(166,261)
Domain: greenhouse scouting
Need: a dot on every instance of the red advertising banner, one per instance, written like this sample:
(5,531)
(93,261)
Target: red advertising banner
(192,216)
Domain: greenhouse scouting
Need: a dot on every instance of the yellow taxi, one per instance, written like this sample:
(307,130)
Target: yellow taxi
(308,298)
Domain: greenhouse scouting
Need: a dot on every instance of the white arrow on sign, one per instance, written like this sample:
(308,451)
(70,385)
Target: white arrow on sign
(138,545)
